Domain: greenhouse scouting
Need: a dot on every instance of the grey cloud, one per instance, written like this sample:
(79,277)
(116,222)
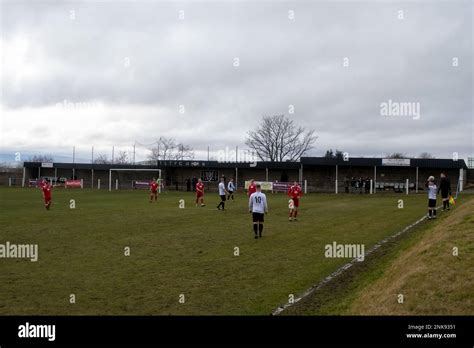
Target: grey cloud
(282,62)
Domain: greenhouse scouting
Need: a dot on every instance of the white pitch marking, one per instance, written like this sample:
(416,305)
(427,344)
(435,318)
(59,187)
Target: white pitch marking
(341,269)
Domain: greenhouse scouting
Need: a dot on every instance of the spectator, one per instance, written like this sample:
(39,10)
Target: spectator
(188,184)
(367,185)
(353,184)
(346,184)
(445,188)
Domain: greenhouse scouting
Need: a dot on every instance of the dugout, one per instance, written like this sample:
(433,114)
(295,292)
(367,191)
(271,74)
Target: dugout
(330,174)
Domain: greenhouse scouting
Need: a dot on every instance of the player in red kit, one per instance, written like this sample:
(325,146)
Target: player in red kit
(295,193)
(153,190)
(46,188)
(252,187)
(200,193)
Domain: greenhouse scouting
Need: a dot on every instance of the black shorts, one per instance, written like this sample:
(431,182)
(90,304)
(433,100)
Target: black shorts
(223,198)
(230,192)
(257,217)
(432,203)
(444,194)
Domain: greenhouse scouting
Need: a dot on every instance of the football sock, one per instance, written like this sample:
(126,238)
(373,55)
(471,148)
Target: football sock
(296,213)
(260,229)
(434,212)
(255,228)
(429,212)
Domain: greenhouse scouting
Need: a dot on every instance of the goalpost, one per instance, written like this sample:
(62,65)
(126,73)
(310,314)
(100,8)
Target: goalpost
(134,170)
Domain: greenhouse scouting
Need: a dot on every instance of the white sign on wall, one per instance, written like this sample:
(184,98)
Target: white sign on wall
(47,165)
(397,162)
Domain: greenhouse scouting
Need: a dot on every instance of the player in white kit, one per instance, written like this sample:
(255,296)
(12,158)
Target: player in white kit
(258,207)
(222,193)
(432,190)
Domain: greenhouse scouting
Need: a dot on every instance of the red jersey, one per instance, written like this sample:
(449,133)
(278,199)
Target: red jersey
(46,191)
(200,188)
(154,186)
(252,189)
(295,192)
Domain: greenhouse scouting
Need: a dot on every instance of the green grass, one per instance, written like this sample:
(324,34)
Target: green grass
(178,251)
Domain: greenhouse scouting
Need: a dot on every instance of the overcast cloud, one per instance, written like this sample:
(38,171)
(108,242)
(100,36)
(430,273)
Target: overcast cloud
(128,66)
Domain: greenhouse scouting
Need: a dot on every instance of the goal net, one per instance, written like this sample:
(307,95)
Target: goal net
(120,178)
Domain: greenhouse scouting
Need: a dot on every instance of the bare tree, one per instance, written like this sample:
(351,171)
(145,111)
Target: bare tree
(122,157)
(331,154)
(426,155)
(41,158)
(101,159)
(163,150)
(397,155)
(167,149)
(279,139)
(184,152)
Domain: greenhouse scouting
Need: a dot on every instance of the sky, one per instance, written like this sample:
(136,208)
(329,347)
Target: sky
(114,74)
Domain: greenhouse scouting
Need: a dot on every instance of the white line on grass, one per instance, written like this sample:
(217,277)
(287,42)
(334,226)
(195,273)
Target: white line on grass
(341,269)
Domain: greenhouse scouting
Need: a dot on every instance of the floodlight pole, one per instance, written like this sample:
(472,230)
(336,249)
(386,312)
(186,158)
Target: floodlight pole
(73,162)
(134,145)
(110,179)
(375,179)
(236,177)
(159,180)
(301,174)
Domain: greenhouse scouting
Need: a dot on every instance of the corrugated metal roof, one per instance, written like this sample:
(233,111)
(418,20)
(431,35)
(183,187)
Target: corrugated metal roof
(305,161)
(366,162)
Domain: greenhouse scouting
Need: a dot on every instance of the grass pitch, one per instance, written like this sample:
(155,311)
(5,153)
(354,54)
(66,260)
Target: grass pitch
(175,251)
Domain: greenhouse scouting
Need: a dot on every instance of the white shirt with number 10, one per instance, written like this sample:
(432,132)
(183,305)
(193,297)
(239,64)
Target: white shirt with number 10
(258,202)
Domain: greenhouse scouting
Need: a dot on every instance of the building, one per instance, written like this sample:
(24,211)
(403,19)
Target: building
(319,174)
